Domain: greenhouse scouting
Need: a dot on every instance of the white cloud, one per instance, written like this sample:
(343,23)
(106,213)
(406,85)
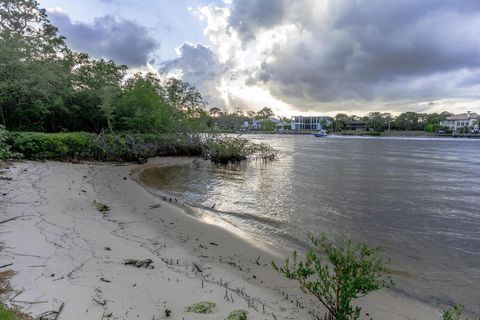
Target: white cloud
(314,56)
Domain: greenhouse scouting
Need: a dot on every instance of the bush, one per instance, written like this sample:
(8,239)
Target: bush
(225,149)
(354,271)
(454,313)
(4,147)
(132,147)
(36,145)
(202,307)
(108,147)
(12,314)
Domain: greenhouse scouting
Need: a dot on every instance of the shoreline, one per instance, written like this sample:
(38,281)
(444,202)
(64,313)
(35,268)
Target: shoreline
(58,250)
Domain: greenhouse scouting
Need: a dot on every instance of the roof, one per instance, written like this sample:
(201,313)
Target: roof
(463,116)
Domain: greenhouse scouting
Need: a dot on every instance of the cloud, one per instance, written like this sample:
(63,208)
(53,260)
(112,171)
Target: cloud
(200,66)
(326,56)
(122,40)
(331,51)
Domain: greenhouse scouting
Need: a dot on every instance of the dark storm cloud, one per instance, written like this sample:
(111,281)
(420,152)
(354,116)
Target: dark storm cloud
(251,15)
(124,41)
(365,49)
(199,66)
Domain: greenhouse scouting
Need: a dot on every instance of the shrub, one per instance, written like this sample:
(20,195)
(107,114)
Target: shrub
(36,145)
(202,307)
(132,147)
(12,314)
(5,151)
(354,271)
(237,315)
(454,313)
(224,149)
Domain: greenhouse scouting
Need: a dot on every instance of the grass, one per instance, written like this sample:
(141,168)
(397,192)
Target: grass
(237,315)
(103,208)
(203,307)
(12,314)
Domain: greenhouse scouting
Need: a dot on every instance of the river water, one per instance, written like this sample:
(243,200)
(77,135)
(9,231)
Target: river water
(417,198)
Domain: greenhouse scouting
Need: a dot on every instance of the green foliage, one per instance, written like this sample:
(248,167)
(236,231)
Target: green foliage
(110,147)
(268,125)
(432,127)
(454,313)
(130,147)
(224,149)
(352,272)
(5,151)
(203,307)
(11,314)
(237,315)
(101,207)
(265,113)
(44,86)
(37,145)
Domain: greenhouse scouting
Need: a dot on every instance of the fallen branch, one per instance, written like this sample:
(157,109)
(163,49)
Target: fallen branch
(46,314)
(29,302)
(10,219)
(100,302)
(197,267)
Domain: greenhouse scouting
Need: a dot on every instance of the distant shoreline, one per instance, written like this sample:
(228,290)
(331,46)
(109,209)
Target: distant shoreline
(413,134)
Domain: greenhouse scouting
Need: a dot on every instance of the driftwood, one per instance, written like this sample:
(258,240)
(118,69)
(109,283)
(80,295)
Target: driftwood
(46,315)
(10,219)
(197,267)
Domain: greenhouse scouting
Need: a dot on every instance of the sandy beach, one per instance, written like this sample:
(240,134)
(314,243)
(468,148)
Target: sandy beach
(68,255)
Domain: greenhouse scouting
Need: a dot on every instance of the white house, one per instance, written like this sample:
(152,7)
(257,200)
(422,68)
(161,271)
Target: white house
(460,121)
(310,123)
(259,124)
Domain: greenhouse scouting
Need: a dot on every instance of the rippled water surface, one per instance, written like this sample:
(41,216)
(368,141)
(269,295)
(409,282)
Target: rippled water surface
(418,198)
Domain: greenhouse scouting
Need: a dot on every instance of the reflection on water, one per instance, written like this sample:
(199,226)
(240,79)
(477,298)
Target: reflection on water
(418,198)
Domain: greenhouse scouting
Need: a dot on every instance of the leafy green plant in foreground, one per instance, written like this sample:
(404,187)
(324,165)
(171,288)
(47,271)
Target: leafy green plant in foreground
(353,271)
(454,313)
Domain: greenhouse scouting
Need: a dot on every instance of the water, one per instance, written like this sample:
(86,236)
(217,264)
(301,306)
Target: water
(417,198)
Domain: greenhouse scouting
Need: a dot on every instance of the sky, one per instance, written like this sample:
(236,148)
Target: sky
(296,56)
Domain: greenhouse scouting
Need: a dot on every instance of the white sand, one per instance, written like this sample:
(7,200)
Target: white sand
(58,250)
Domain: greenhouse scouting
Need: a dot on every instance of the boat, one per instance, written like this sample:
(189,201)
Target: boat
(321,133)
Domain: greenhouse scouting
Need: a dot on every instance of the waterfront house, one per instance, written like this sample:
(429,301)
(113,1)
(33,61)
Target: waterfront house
(270,124)
(357,125)
(311,122)
(462,121)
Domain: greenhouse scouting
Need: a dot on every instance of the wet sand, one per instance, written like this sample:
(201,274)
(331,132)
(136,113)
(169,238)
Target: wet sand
(66,252)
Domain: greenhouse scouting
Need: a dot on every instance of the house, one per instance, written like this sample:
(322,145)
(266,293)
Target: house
(462,121)
(357,125)
(270,124)
(311,123)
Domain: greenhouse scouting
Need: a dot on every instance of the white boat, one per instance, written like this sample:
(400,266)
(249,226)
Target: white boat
(321,133)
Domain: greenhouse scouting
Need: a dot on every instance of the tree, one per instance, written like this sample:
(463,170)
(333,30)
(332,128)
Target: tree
(379,121)
(251,114)
(265,113)
(141,109)
(410,121)
(33,71)
(340,121)
(354,271)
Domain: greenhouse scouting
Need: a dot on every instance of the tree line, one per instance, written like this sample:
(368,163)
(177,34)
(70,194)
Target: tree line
(45,86)
(406,121)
